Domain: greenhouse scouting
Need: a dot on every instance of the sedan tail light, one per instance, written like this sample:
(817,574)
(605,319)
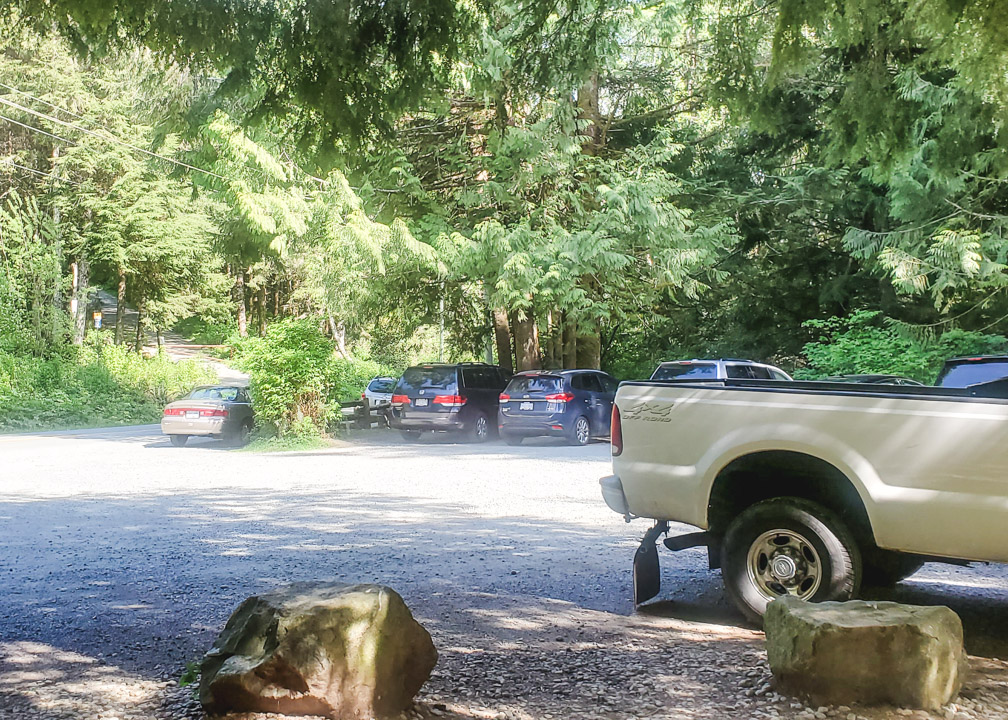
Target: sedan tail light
(400,399)
(449,400)
(616,432)
(172,411)
(213,413)
(561,397)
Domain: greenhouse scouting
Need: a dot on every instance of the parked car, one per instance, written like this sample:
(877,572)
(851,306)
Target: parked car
(219,411)
(459,398)
(873,379)
(964,372)
(575,404)
(379,391)
(726,368)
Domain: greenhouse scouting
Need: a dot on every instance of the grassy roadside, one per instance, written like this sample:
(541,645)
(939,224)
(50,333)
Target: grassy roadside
(98,385)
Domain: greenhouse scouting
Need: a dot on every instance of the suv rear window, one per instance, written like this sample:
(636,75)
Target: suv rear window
(382,385)
(673,371)
(534,385)
(966,373)
(429,378)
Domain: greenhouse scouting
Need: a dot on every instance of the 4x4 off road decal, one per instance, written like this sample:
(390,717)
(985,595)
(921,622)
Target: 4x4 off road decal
(648,412)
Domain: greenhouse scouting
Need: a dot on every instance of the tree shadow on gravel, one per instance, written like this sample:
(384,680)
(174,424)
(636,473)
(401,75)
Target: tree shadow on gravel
(146,582)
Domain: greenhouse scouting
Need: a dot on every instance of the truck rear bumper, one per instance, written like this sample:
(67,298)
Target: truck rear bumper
(612,493)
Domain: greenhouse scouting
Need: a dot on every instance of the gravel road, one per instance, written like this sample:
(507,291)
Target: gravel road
(123,557)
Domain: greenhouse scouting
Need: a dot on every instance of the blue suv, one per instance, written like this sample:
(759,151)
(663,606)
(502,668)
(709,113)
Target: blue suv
(575,404)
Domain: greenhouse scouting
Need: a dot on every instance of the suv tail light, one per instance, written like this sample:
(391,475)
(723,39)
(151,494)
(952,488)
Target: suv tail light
(561,397)
(616,432)
(400,399)
(504,397)
(449,400)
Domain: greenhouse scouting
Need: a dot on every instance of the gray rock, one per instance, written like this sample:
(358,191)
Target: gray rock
(345,651)
(866,652)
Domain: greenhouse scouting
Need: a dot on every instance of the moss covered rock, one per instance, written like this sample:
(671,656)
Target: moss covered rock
(344,651)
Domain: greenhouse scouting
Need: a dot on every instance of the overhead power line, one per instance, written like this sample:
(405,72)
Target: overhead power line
(33,171)
(38,130)
(105,138)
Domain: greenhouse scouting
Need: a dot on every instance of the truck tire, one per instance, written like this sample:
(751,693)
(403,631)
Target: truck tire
(885,568)
(788,545)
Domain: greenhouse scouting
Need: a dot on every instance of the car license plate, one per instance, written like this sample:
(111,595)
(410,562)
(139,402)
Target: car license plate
(420,402)
(192,413)
(526,406)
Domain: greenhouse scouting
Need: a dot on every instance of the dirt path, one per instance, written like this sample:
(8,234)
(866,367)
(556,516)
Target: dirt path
(178,347)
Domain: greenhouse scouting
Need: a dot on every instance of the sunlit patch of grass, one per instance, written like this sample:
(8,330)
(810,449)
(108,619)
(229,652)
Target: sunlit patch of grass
(285,444)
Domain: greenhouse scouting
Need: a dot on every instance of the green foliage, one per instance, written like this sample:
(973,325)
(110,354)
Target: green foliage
(102,385)
(293,385)
(862,344)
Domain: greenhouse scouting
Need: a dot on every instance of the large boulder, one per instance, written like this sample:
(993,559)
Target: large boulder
(866,652)
(344,651)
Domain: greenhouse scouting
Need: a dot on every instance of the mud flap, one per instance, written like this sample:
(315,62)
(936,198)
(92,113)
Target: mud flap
(646,569)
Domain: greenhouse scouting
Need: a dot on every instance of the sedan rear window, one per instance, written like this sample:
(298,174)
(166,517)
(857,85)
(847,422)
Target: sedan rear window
(429,378)
(534,385)
(674,371)
(225,393)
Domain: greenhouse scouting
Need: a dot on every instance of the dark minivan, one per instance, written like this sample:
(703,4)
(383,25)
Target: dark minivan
(459,398)
(575,404)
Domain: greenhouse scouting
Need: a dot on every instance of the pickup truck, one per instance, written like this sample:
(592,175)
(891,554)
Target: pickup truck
(808,488)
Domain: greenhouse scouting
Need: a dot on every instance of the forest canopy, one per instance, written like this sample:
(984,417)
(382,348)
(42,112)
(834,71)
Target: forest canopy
(585,183)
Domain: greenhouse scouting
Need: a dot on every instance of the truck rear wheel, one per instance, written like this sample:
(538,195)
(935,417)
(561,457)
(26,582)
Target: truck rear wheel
(788,546)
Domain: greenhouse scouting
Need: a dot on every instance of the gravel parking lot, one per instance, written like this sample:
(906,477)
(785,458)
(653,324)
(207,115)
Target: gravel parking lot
(124,556)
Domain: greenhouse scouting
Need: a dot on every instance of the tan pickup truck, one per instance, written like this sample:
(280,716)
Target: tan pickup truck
(808,488)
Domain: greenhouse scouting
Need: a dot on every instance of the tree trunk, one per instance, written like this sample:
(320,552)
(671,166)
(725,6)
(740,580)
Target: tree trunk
(80,271)
(589,345)
(338,330)
(526,341)
(276,301)
(502,337)
(138,343)
(588,109)
(239,296)
(120,328)
(262,310)
(569,341)
(157,334)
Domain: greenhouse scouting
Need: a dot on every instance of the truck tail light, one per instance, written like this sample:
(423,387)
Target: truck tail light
(616,432)
(561,397)
(449,400)
(400,399)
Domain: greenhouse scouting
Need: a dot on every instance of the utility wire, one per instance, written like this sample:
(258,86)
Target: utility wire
(320,181)
(44,102)
(107,138)
(38,130)
(52,177)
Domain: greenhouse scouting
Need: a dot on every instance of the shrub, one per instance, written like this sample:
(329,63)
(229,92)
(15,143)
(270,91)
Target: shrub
(861,343)
(293,378)
(102,384)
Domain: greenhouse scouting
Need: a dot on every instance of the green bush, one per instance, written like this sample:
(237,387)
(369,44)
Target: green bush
(292,377)
(861,344)
(298,382)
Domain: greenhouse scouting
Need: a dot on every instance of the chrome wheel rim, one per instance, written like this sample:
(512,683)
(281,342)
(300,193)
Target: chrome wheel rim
(581,430)
(481,427)
(783,562)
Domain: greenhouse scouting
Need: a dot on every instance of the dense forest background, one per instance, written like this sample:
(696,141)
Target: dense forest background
(593,183)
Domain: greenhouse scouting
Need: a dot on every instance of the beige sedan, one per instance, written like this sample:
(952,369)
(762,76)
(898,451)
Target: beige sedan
(219,411)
